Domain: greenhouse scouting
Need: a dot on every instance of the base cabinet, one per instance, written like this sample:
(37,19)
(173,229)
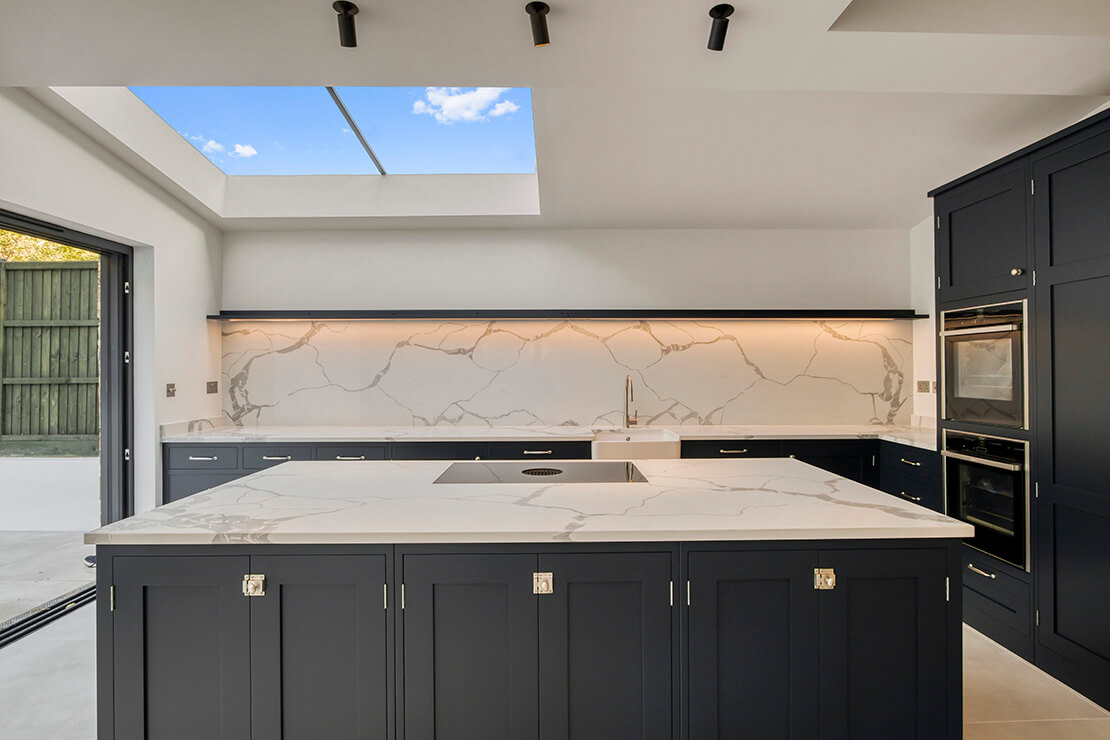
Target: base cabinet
(194,657)
(871,657)
(485,657)
(457,642)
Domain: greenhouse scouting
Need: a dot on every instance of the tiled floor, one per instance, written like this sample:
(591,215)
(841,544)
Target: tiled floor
(47,691)
(36,567)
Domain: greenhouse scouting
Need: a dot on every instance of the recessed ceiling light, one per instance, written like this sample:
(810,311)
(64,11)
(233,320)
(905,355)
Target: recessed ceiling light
(538,13)
(347,12)
(719,14)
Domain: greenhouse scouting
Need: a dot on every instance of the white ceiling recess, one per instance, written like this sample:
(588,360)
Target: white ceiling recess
(637,124)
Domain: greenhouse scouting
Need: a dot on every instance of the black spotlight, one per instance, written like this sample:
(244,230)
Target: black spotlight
(719,14)
(538,13)
(347,12)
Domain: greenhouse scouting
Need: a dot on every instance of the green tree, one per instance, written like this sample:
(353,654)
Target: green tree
(22,248)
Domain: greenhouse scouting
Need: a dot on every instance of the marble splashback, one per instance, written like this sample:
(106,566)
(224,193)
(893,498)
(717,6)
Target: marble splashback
(566,372)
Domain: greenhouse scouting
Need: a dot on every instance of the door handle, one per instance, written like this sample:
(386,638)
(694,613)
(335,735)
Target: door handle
(202,458)
(911,498)
(350,457)
(910,462)
(973,569)
(732,452)
(537,452)
(277,458)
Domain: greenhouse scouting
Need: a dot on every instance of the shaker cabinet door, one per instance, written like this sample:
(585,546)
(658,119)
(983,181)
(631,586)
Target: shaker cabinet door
(752,645)
(319,648)
(884,645)
(469,645)
(181,629)
(605,647)
(981,241)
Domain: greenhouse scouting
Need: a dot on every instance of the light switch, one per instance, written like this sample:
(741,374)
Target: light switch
(171,390)
(922,386)
(213,386)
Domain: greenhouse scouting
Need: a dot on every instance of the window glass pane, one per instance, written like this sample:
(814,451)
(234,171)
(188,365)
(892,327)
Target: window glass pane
(262,130)
(446,130)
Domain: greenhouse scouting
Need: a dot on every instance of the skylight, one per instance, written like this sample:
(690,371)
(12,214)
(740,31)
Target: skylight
(301,130)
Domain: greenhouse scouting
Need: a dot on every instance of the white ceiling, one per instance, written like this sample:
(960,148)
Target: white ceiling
(637,124)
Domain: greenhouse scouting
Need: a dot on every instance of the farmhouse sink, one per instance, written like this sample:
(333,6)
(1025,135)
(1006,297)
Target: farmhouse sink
(635,444)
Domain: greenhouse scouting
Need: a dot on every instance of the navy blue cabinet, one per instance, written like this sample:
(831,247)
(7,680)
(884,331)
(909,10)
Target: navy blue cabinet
(874,652)
(453,642)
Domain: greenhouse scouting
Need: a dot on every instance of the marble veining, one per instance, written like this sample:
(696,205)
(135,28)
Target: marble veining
(565,373)
(397,502)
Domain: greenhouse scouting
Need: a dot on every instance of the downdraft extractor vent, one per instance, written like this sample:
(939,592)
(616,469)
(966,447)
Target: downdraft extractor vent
(542,471)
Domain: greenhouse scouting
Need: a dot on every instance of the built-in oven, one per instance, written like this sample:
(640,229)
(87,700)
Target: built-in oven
(984,364)
(986,484)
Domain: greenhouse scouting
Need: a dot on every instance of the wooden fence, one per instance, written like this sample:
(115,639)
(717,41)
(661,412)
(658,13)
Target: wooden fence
(49,358)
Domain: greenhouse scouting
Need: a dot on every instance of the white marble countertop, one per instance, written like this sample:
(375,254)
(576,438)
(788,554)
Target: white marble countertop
(923,437)
(395,502)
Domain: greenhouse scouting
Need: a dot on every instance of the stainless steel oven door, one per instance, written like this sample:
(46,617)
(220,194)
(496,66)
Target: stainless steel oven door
(992,496)
(984,375)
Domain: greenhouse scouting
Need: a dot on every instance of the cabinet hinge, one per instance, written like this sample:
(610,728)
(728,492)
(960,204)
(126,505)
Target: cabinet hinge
(872,461)
(402,597)
(127,454)
(1037,616)
(385,596)
(938,222)
(254,584)
(947,586)
(1032,187)
(1034,278)
(543,583)
(127,288)
(1036,490)
(687,593)
(824,579)
(672,593)
(126,358)
(938,282)
(111,598)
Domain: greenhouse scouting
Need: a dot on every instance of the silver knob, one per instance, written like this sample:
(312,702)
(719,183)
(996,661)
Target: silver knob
(1017,271)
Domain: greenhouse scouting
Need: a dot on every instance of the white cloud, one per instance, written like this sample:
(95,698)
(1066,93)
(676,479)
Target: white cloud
(451,104)
(212,146)
(243,151)
(505,106)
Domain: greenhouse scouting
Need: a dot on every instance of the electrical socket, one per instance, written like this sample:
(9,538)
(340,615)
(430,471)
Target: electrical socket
(213,386)
(922,386)
(171,390)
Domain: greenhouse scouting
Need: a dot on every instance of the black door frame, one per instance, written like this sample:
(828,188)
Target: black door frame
(117,402)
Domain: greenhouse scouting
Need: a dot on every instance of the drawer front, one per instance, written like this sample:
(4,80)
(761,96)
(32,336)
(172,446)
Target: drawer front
(989,589)
(350,452)
(267,456)
(440,450)
(896,458)
(180,485)
(194,457)
(539,450)
(927,492)
(731,448)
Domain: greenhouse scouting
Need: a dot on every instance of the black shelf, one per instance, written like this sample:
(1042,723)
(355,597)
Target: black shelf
(583,313)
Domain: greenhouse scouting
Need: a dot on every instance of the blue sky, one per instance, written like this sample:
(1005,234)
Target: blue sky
(299,131)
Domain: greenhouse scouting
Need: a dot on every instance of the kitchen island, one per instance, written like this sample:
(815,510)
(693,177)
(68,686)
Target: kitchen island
(717,598)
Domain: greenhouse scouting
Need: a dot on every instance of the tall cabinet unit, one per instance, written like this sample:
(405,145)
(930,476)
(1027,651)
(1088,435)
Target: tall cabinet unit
(1053,200)
(1072,242)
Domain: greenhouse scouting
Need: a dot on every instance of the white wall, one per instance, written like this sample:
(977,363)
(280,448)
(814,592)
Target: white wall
(923,297)
(53,171)
(57,494)
(566,269)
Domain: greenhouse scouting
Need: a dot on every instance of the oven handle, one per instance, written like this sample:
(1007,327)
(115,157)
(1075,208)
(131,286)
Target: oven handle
(1012,467)
(981,330)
